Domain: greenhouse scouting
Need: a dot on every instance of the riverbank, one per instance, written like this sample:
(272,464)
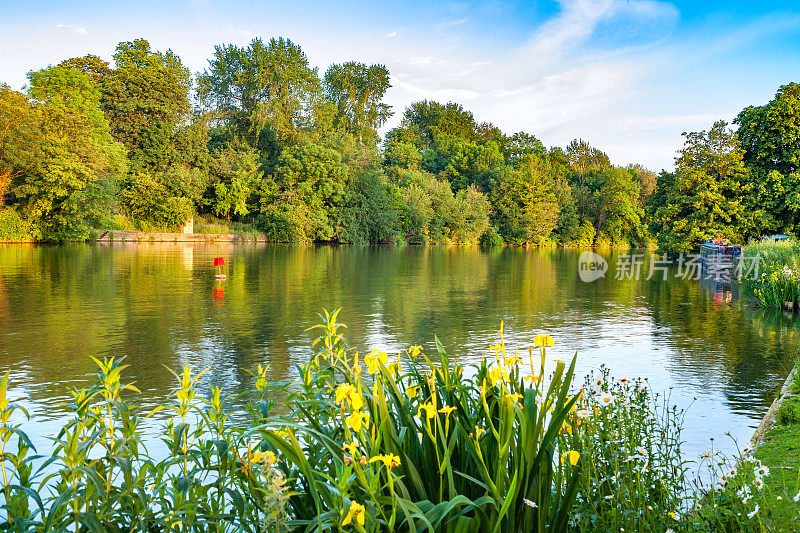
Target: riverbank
(777,446)
(142,236)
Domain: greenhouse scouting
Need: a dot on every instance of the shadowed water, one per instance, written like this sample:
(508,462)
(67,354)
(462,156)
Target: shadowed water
(158,304)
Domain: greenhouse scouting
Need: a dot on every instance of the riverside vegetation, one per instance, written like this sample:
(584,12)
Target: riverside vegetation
(260,141)
(371,443)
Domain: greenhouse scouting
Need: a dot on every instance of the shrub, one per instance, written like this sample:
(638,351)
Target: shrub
(12,226)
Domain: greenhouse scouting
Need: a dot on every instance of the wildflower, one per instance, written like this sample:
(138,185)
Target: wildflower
(571,456)
(270,458)
(566,428)
(515,397)
(671,515)
(604,398)
(529,503)
(346,392)
(414,351)
(511,361)
(412,392)
(374,360)
(352,447)
(356,420)
(390,460)
(761,471)
(582,413)
(751,515)
(429,408)
(532,378)
(542,341)
(479,432)
(495,375)
(447,410)
(357,513)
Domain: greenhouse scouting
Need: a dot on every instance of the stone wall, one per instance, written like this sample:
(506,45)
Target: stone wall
(141,236)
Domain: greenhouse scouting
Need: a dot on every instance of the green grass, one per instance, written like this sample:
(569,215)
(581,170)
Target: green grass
(780,452)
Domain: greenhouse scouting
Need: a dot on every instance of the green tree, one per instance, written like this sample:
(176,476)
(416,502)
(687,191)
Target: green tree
(56,148)
(146,100)
(524,204)
(770,134)
(237,175)
(310,179)
(706,196)
(265,93)
(357,90)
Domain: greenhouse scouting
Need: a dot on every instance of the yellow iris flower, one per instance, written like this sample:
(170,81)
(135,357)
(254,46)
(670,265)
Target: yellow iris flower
(571,456)
(374,360)
(412,392)
(390,460)
(429,408)
(357,420)
(540,341)
(357,513)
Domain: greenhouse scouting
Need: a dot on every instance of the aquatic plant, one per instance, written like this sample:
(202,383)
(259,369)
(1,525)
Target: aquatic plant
(412,444)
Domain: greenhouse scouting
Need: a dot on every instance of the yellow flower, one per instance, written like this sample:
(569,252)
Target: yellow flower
(342,392)
(478,431)
(542,341)
(357,513)
(346,392)
(509,361)
(374,360)
(415,350)
(390,460)
(515,397)
(356,420)
(447,410)
(430,410)
(352,447)
(270,458)
(533,378)
(571,456)
(567,428)
(495,375)
(412,392)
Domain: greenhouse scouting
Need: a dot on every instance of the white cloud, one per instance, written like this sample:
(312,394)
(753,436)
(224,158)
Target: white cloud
(391,34)
(72,28)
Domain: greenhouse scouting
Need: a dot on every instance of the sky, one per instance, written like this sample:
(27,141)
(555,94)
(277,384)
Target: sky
(629,76)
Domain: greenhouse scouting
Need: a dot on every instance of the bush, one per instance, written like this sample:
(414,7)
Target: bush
(491,237)
(151,204)
(12,227)
(776,283)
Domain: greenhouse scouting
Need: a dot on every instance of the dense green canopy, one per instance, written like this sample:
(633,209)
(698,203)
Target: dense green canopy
(258,141)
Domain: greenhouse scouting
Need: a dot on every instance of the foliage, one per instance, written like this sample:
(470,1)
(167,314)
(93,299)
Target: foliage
(56,150)
(776,282)
(237,175)
(633,475)
(146,98)
(370,212)
(706,195)
(13,228)
(525,207)
(152,203)
(347,457)
(357,90)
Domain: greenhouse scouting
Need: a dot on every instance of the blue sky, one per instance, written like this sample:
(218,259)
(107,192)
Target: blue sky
(627,75)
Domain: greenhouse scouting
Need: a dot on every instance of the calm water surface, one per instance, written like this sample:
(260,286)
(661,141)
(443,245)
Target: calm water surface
(158,304)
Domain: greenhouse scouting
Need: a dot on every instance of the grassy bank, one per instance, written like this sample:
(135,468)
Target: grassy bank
(776,283)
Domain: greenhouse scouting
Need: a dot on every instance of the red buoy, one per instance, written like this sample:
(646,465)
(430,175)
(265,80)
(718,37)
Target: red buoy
(219,262)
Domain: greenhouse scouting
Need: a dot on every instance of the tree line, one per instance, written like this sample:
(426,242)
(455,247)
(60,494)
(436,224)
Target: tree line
(261,140)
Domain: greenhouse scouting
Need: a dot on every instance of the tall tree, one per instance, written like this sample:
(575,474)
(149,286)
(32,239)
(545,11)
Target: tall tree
(56,147)
(146,100)
(357,90)
(261,87)
(706,196)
